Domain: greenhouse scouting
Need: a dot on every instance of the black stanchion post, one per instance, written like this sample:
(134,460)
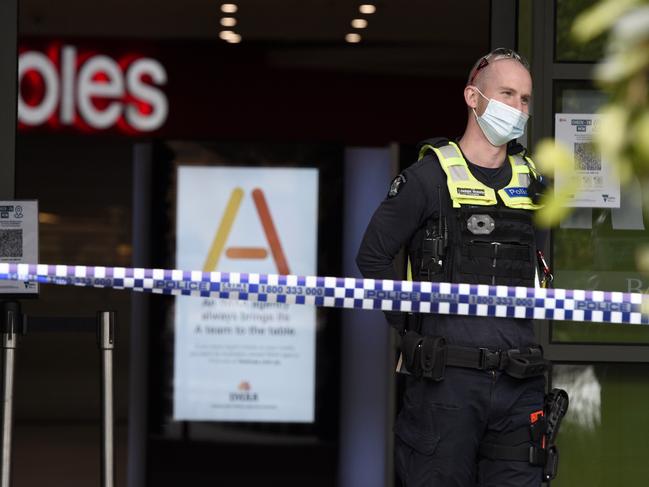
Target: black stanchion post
(106,339)
(11,324)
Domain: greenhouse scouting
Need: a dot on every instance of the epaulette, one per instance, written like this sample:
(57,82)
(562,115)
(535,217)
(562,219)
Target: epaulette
(423,146)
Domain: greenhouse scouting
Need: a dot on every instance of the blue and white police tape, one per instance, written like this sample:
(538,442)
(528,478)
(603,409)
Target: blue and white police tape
(338,292)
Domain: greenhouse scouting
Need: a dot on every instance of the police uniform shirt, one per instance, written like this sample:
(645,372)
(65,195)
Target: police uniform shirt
(398,222)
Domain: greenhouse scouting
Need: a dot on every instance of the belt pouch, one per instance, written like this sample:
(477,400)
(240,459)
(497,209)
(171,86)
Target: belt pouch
(433,357)
(524,365)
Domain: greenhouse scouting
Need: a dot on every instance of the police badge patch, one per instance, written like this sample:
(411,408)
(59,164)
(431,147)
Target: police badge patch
(396,185)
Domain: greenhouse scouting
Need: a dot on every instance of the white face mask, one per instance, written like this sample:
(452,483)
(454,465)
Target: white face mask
(501,123)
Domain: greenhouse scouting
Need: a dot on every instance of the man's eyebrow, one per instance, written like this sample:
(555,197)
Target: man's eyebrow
(509,88)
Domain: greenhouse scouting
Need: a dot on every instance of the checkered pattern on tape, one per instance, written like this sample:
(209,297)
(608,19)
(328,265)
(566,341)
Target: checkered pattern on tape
(405,296)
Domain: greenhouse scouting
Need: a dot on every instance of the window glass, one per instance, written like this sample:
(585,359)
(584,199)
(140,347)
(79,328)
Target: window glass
(603,437)
(566,48)
(595,248)
(577,96)
(592,254)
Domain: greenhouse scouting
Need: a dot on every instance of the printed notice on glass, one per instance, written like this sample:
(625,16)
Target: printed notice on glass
(239,360)
(600,184)
(19,241)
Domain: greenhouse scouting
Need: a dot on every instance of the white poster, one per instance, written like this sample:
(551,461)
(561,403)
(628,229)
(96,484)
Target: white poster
(18,241)
(600,184)
(245,361)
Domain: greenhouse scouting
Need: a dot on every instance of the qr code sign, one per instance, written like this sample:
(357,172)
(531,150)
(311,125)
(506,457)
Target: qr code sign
(587,158)
(11,243)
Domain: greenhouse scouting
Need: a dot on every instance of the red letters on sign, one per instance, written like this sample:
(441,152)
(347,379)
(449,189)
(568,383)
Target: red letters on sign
(92,92)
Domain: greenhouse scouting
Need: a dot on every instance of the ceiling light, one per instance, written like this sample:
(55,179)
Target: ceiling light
(228,21)
(124,250)
(367,8)
(359,23)
(229,8)
(226,34)
(52,218)
(235,39)
(353,38)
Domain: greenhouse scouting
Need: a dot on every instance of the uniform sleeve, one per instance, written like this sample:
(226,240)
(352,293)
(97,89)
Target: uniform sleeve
(394,222)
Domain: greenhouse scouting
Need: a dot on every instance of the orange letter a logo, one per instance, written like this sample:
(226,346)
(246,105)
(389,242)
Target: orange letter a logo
(218,244)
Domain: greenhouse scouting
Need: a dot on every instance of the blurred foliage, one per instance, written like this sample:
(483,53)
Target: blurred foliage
(616,34)
(552,157)
(567,47)
(622,73)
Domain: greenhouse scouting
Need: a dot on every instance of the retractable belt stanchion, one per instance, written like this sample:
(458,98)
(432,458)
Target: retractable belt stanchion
(11,324)
(106,342)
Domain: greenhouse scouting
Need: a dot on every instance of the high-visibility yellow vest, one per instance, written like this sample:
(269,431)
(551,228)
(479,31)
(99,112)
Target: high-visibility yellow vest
(465,189)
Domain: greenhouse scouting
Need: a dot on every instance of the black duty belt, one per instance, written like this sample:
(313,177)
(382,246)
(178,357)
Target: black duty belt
(521,363)
(428,356)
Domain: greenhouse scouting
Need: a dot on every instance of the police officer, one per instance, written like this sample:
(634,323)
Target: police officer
(475,385)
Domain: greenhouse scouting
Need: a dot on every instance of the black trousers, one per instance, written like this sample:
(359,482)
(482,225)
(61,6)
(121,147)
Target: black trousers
(441,425)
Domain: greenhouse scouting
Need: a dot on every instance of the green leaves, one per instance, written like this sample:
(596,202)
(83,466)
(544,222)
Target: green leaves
(623,136)
(600,18)
(551,157)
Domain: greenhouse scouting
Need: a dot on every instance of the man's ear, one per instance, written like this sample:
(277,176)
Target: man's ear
(471,96)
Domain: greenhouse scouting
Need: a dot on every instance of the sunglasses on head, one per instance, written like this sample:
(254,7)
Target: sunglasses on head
(497,55)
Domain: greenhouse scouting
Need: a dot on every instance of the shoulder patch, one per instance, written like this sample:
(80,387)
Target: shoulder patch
(396,185)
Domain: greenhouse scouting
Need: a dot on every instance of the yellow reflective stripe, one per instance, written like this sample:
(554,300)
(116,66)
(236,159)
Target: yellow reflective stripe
(450,151)
(531,172)
(524,180)
(459,173)
(517,160)
(520,178)
(463,187)
(423,150)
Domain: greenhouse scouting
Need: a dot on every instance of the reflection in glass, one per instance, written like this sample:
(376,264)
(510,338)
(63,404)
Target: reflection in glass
(603,438)
(584,391)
